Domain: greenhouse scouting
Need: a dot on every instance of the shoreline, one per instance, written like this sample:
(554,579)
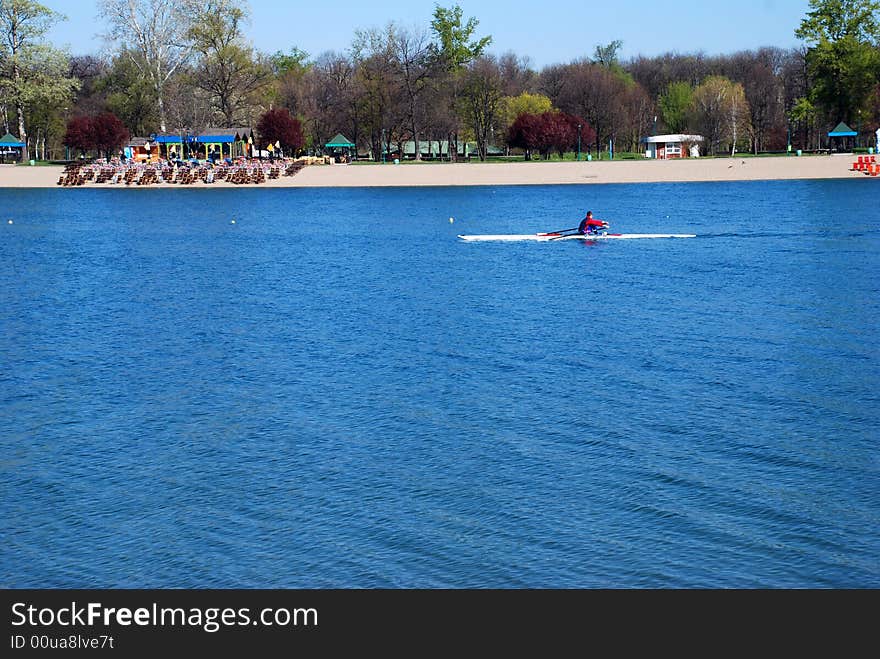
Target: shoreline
(515,173)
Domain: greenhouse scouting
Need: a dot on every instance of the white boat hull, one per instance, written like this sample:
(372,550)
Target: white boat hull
(544,237)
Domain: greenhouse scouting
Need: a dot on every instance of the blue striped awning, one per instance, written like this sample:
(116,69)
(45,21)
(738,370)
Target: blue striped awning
(215,139)
(171,139)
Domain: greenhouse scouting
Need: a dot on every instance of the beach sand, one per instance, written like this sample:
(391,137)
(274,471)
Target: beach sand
(514,173)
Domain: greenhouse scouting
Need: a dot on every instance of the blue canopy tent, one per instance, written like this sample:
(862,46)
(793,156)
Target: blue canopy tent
(11,146)
(174,144)
(223,142)
(212,143)
(842,132)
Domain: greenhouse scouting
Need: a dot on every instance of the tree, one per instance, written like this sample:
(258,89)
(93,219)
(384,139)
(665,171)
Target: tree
(129,96)
(595,93)
(89,71)
(454,48)
(517,75)
(31,73)
(103,133)
(675,104)
(159,33)
(108,133)
(607,55)
(227,69)
(525,134)
(548,132)
(480,100)
(759,73)
(278,126)
(721,112)
(331,104)
(290,85)
(636,119)
(843,57)
(559,133)
(79,134)
(803,115)
(415,69)
(512,107)
(377,84)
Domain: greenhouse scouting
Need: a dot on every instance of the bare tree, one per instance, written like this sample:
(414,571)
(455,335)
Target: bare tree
(331,101)
(156,32)
(378,84)
(481,99)
(415,68)
(595,93)
(517,75)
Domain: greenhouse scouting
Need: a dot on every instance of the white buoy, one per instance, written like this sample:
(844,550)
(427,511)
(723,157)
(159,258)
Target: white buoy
(451,220)
(232,222)
(10,221)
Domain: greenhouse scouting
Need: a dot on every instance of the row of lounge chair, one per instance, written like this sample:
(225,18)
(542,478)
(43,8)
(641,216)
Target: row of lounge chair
(77,174)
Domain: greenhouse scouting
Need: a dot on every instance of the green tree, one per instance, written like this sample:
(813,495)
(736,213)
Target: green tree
(721,112)
(289,83)
(455,44)
(227,69)
(607,55)
(130,96)
(803,116)
(675,104)
(32,74)
(511,107)
(843,58)
(454,49)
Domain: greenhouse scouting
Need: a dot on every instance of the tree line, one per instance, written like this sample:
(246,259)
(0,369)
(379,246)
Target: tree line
(180,66)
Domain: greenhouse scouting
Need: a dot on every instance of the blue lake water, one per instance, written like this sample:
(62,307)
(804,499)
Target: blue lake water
(334,391)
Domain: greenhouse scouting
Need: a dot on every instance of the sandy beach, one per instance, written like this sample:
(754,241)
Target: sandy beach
(514,173)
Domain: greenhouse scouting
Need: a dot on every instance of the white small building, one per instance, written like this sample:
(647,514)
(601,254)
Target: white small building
(666,147)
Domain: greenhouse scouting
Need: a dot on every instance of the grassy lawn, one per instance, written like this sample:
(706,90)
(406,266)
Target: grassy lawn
(572,157)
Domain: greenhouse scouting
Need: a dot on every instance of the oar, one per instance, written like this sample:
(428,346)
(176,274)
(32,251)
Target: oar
(547,233)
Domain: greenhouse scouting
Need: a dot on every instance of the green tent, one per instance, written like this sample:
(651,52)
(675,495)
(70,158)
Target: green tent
(10,141)
(7,144)
(339,141)
(843,134)
(842,130)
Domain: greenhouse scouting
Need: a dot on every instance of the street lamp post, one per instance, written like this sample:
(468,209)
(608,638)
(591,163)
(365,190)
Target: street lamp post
(579,142)
(859,136)
(382,146)
(788,140)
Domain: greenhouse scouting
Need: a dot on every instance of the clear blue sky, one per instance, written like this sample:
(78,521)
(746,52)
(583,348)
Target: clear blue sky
(548,31)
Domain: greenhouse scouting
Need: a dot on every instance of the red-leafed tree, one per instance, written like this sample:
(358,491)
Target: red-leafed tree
(562,132)
(108,133)
(79,134)
(525,133)
(278,126)
(549,132)
(104,133)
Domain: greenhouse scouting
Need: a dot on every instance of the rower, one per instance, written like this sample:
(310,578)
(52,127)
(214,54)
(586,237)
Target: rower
(590,225)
